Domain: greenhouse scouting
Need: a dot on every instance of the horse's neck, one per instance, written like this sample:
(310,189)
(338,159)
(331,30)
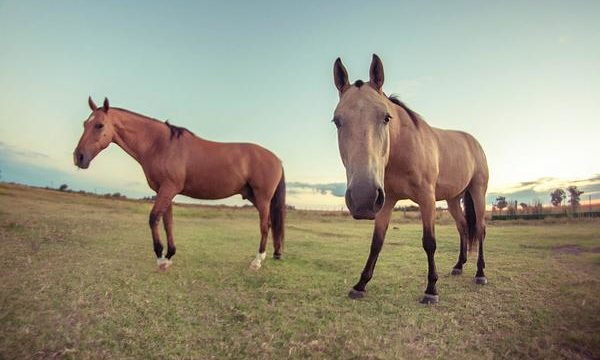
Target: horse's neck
(136,134)
(409,139)
(408,130)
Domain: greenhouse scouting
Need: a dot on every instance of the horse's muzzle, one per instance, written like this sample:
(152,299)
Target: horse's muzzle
(365,202)
(81,160)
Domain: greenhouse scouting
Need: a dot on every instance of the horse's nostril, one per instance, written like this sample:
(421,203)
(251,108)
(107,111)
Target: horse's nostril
(380,199)
(80,157)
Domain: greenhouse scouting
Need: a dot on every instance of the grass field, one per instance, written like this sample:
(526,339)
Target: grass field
(79,281)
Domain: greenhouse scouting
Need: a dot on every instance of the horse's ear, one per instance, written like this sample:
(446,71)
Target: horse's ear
(340,75)
(105,106)
(92,104)
(376,72)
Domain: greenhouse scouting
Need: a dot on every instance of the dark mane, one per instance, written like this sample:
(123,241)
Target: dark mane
(413,115)
(176,131)
(359,83)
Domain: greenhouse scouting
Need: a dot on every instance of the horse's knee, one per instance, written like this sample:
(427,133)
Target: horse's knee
(153,219)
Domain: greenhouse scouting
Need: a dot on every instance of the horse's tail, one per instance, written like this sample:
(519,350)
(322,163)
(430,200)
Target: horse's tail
(471,221)
(277,214)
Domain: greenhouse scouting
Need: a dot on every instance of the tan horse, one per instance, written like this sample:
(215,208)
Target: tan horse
(391,153)
(175,161)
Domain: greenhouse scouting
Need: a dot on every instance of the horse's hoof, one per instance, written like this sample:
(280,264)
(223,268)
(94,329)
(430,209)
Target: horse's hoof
(430,299)
(163,264)
(480,280)
(255,265)
(356,294)
(277,256)
(456,271)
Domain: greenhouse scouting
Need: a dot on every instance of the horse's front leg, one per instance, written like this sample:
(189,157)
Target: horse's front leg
(427,207)
(168,224)
(162,206)
(382,221)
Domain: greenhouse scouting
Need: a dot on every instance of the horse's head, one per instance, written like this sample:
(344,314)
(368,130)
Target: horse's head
(98,132)
(362,117)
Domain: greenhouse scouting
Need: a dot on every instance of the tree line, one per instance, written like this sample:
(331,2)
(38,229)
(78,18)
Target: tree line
(557,197)
(65,188)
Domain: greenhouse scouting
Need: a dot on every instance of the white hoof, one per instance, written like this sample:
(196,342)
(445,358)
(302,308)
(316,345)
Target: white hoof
(257,262)
(163,263)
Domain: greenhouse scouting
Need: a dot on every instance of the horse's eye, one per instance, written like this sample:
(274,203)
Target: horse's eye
(337,122)
(387,118)
(99,126)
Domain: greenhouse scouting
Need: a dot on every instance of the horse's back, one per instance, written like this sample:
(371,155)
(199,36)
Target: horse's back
(217,170)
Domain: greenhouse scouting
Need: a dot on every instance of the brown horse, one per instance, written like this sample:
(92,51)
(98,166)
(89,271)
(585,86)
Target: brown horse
(391,153)
(175,161)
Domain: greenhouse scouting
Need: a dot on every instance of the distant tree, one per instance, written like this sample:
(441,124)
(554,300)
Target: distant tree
(63,187)
(501,203)
(557,197)
(574,194)
(524,206)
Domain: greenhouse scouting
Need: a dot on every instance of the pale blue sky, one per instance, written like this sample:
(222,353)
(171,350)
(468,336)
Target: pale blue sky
(522,77)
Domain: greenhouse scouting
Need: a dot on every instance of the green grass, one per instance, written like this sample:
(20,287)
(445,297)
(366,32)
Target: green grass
(79,281)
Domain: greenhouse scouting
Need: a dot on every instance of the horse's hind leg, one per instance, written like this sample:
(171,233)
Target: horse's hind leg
(461,225)
(263,213)
(478,196)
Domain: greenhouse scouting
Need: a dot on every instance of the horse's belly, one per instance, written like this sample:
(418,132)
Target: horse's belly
(209,193)
(212,187)
(445,190)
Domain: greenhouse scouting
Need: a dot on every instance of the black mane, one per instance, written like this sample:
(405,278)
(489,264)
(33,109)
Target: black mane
(413,115)
(176,131)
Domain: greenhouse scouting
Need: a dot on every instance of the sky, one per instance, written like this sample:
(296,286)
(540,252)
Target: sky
(522,76)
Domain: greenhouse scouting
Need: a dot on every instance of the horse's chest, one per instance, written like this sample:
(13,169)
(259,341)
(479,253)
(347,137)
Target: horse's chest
(153,181)
(404,182)
(159,172)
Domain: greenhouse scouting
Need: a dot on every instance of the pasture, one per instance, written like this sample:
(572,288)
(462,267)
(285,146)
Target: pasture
(79,280)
